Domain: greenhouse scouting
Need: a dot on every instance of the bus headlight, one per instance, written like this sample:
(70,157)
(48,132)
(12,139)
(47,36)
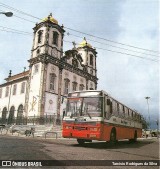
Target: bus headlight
(68,127)
(93,129)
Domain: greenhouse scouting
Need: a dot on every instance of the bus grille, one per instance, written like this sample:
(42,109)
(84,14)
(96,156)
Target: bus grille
(80,128)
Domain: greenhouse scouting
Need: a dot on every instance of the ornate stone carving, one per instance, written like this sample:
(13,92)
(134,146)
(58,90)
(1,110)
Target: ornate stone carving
(74,78)
(53,68)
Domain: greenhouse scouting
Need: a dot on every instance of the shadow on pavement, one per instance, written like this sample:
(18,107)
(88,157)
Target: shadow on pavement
(118,145)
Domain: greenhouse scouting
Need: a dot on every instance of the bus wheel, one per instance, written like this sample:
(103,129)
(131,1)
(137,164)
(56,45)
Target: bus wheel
(135,136)
(113,137)
(80,141)
(134,139)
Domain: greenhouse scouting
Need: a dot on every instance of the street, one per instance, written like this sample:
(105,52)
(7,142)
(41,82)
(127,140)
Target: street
(27,148)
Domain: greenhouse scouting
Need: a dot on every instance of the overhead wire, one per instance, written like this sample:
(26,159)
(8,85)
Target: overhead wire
(16,10)
(111,40)
(27,33)
(76,43)
(19,11)
(15,30)
(120,52)
(24,19)
(112,45)
(9,7)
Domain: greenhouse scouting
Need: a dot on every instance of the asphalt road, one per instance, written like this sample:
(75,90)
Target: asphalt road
(24,148)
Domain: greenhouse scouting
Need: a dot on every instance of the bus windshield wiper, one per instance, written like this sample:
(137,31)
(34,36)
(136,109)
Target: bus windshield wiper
(75,113)
(89,115)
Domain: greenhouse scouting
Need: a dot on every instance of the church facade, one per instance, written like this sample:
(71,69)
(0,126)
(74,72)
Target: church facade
(41,91)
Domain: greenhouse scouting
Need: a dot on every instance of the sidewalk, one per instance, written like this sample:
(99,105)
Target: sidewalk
(40,131)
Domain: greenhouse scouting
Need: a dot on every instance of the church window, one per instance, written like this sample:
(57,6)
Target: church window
(11,115)
(91,71)
(66,86)
(74,62)
(7,91)
(36,68)
(4,115)
(91,87)
(14,89)
(1,93)
(81,87)
(91,60)
(20,115)
(55,38)
(74,86)
(23,87)
(40,36)
(52,81)
(38,51)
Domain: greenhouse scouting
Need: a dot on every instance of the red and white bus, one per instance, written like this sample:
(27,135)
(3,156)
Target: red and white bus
(95,115)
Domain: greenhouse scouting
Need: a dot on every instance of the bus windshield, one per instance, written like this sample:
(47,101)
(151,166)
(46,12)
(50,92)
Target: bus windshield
(87,106)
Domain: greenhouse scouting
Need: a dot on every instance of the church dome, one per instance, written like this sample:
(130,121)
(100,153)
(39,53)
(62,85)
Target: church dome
(50,18)
(85,43)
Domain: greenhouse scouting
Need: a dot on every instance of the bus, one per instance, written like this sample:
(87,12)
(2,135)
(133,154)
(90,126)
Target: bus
(95,115)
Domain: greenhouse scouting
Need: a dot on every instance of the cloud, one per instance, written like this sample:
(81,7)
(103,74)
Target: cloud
(128,78)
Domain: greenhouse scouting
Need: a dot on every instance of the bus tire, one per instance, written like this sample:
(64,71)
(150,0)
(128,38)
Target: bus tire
(81,141)
(135,136)
(134,139)
(113,137)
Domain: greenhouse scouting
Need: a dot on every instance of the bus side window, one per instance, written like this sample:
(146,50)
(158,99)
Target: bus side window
(108,102)
(108,108)
(133,115)
(111,107)
(120,110)
(130,113)
(140,118)
(126,111)
(114,107)
(123,109)
(117,109)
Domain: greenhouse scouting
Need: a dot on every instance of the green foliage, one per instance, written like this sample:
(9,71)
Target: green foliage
(145,124)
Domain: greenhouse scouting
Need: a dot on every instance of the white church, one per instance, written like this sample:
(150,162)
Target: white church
(41,91)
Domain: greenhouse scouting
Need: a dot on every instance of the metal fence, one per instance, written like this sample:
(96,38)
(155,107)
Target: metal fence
(42,120)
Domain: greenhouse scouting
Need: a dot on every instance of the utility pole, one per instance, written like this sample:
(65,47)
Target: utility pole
(147,98)
(157,122)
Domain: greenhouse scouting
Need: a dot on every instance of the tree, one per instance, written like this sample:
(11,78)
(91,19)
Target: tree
(145,124)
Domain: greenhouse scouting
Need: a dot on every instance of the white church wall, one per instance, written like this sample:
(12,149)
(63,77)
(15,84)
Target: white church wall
(34,96)
(12,100)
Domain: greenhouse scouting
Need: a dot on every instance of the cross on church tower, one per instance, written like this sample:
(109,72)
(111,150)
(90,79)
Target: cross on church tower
(50,15)
(74,45)
(85,40)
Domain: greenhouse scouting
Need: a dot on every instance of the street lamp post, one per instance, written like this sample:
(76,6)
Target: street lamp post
(157,122)
(8,14)
(147,98)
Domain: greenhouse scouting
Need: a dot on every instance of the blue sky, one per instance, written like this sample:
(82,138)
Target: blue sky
(127,78)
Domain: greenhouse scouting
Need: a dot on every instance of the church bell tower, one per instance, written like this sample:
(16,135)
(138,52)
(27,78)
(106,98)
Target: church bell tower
(46,51)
